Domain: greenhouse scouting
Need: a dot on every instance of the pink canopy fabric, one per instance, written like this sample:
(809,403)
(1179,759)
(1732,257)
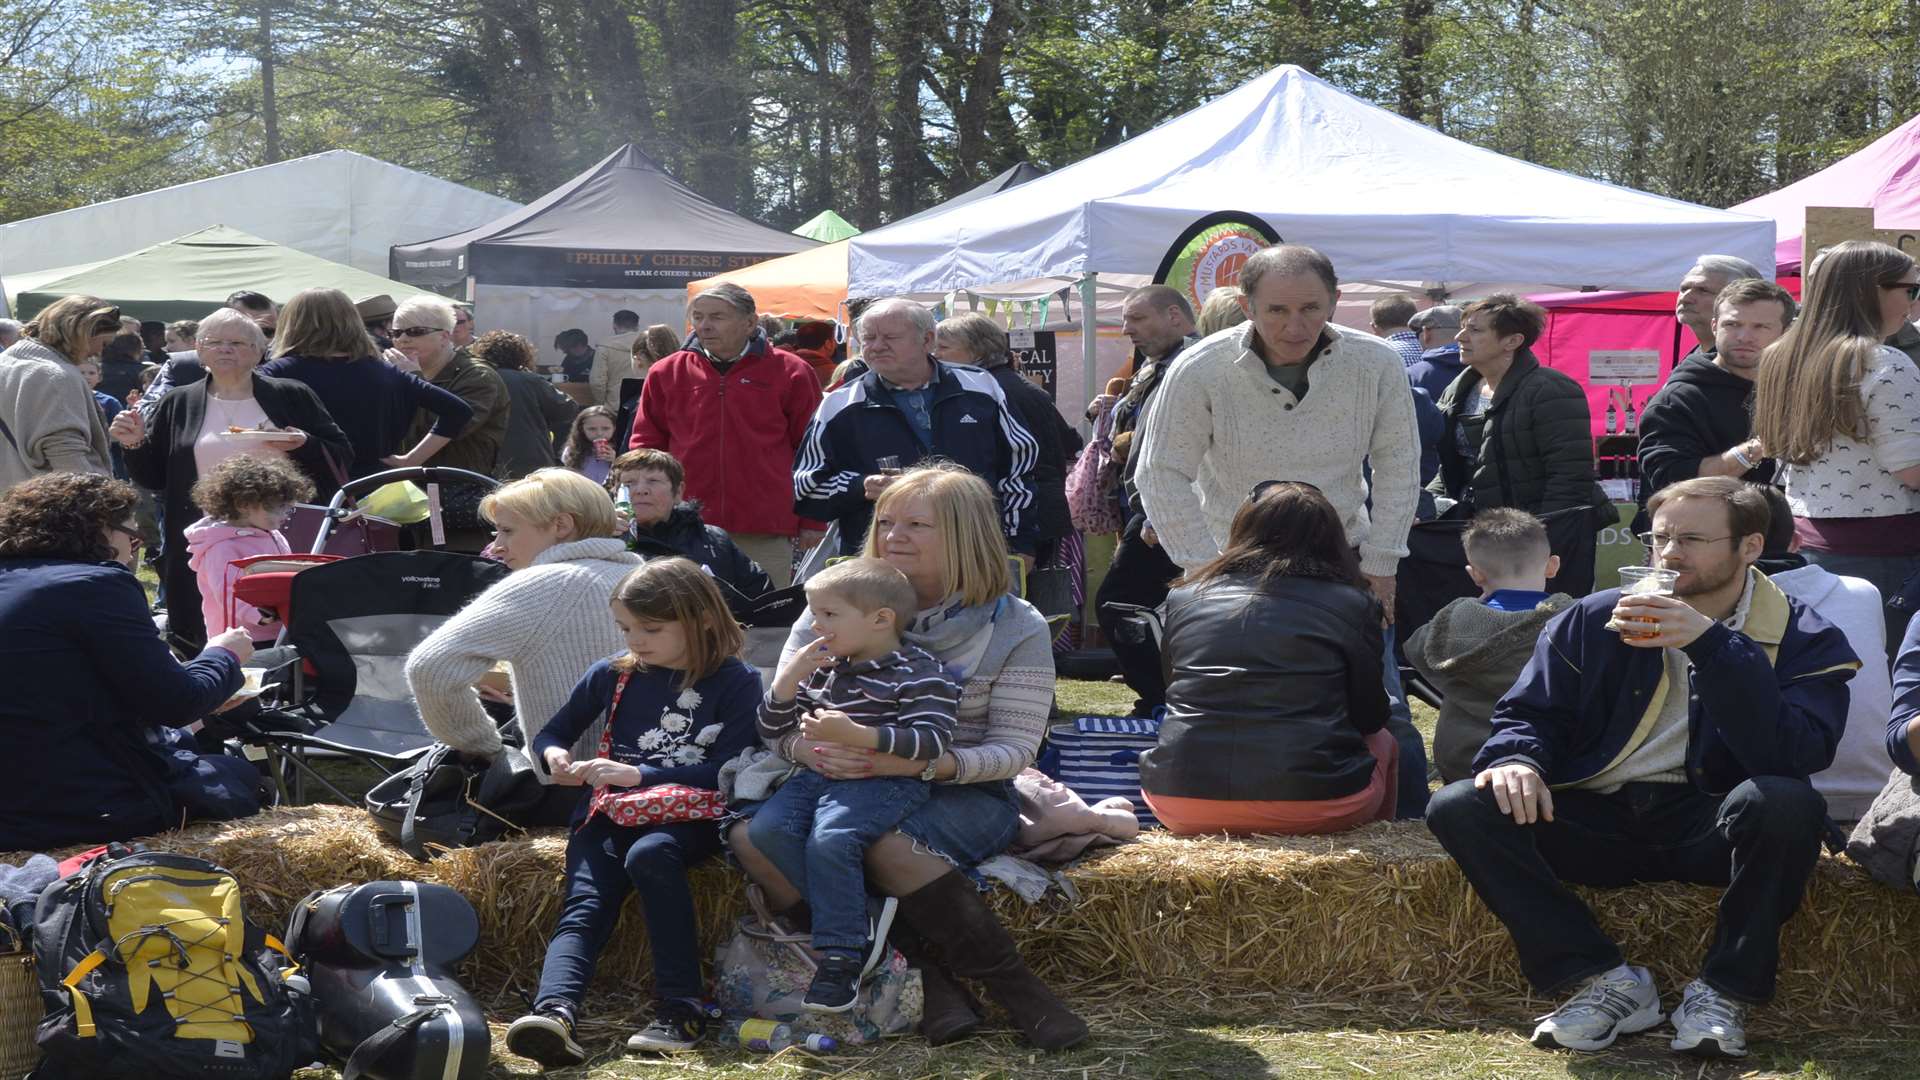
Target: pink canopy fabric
(1578,323)
(1885,176)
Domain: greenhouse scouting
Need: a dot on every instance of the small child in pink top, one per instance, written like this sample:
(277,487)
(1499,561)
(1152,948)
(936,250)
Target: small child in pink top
(246,499)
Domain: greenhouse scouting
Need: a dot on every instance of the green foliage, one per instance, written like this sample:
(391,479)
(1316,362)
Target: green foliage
(878,108)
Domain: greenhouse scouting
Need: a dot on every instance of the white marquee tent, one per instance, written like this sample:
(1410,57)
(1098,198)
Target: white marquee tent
(341,206)
(1387,199)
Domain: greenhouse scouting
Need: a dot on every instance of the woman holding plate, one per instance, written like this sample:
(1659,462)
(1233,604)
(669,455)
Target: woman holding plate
(235,410)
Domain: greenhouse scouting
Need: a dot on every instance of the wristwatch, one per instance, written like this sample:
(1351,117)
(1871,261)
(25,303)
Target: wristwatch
(927,773)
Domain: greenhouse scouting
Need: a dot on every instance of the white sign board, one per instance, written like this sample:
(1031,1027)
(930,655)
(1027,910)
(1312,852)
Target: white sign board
(1623,367)
(1020,339)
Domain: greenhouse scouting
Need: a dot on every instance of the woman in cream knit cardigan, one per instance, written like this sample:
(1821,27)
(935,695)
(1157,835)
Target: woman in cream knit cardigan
(548,620)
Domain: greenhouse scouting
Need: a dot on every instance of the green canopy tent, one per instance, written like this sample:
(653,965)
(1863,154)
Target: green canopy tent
(827,227)
(191,275)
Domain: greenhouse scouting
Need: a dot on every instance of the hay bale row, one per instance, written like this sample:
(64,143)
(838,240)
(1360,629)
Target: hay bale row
(1378,911)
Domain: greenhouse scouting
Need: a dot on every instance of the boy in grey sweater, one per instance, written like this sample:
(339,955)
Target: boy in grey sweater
(1473,650)
(856,685)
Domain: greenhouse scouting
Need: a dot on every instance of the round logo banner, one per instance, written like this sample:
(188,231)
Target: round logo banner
(1211,251)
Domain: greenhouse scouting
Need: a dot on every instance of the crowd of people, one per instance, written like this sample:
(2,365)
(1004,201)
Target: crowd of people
(1756,682)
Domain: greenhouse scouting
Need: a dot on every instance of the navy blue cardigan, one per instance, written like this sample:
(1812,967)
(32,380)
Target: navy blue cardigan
(729,698)
(86,677)
(1768,701)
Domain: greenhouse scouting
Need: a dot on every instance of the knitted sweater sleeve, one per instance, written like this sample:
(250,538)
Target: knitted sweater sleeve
(1394,455)
(442,669)
(1018,701)
(1177,437)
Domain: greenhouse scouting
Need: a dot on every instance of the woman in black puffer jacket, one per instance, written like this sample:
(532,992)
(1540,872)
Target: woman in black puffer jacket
(1276,716)
(1520,434)
(662,526)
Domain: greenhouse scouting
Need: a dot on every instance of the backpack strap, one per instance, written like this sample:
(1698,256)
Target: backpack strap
(82,1008)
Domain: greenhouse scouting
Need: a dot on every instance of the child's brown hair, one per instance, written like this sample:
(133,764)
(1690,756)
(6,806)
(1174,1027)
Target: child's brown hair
(868,585)
(247,482)
(675,590)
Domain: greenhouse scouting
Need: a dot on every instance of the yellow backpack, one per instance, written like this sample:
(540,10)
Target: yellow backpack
(149,968)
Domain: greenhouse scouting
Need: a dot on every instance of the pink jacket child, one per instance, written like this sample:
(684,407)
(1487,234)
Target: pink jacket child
(212,549)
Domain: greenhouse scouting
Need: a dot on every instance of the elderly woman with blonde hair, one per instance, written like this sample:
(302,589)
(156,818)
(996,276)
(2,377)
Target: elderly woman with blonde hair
(48,419)
(547,621)
(940,526)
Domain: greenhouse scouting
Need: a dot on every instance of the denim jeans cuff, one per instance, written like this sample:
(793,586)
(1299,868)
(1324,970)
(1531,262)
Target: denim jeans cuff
(1563,984)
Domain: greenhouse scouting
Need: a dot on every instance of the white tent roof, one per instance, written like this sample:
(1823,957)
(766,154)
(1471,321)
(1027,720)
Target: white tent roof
(1385,198)
(339,205)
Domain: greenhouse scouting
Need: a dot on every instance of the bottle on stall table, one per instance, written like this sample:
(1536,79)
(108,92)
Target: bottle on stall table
(771,1037)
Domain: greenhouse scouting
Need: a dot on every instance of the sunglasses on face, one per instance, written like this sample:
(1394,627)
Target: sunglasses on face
(134,539)
(417,331)
(1912,288)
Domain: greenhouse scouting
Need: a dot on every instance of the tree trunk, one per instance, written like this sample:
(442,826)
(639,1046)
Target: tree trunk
(269,107)
(856,21)
(1415,38)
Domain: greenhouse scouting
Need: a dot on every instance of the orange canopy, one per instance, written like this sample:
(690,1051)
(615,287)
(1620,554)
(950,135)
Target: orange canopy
(809,284)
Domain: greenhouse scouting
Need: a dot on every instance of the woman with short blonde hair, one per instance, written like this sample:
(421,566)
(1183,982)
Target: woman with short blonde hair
(547,621)
(940,526)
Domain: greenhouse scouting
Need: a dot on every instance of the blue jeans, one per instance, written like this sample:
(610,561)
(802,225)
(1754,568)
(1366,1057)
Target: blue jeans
(817,831)
(1413,792)
(606,861)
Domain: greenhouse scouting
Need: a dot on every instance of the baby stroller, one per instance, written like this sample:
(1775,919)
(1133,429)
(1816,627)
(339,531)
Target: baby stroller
(348,625)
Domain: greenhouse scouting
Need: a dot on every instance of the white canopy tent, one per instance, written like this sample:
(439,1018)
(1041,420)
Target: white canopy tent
(340,206)
(1387,199)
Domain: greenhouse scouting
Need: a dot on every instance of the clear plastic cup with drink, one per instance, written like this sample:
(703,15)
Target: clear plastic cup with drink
(888,465)
(1642,581)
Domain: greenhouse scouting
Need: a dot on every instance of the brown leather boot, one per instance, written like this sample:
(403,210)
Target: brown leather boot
(951,1012)
(950,917)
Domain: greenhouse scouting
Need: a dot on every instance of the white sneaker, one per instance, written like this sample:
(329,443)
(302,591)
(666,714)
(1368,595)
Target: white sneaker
(1709,1023)
(1618,1002)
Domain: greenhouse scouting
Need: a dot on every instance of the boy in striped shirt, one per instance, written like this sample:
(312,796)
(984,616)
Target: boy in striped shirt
(857,685)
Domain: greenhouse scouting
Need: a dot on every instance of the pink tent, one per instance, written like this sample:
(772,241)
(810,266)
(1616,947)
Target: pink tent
(1578,323)
(1885,176)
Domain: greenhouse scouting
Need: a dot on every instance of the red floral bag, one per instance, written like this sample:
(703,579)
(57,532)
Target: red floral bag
(660,804)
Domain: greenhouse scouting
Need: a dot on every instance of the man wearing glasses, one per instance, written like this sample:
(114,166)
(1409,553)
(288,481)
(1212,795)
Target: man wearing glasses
(1659,737)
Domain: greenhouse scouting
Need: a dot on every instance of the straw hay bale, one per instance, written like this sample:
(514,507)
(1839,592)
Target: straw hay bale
(1380,911)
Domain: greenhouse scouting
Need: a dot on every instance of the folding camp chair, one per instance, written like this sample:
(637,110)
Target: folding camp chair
(346,692)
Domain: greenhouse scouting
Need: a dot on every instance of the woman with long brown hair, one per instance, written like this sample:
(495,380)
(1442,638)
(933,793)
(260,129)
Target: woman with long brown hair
(1840,411)
(1276,715)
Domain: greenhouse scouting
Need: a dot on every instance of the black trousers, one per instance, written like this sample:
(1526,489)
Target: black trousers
(1760,840)
(1139,574)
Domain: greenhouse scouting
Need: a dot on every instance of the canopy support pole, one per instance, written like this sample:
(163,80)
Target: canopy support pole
(1089,340)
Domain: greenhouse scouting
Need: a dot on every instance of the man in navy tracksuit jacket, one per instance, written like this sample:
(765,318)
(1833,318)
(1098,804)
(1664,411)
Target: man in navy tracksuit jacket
(1681,757)
(911,407)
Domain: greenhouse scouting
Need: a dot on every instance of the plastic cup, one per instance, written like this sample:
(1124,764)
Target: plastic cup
(1643,581)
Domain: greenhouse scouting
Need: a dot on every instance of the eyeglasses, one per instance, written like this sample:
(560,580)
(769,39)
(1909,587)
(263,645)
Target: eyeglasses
(1265,486)
(417,331)
(207,346)
(134,539)
(1912,288)
(1658,542)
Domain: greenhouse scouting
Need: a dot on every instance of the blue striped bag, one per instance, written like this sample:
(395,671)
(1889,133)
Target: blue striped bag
(1099,757)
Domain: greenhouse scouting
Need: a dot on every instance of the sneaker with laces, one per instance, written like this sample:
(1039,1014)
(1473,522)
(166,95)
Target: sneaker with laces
(678,1024)
(1615,1003)
(836,984)
(545,1035)
(1709,1023)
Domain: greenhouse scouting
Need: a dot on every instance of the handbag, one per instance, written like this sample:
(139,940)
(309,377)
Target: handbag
(443,800)
(763,970)
(1099,757)
(660,804)
(1091,481)
(20,1006)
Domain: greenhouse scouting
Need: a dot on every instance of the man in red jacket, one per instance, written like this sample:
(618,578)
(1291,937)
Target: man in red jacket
(732,409)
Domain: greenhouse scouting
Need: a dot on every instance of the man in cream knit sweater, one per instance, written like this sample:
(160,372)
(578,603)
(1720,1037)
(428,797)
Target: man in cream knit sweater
(1289,395)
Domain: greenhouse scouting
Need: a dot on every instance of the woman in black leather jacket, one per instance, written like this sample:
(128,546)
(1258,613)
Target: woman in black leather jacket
(1276,715)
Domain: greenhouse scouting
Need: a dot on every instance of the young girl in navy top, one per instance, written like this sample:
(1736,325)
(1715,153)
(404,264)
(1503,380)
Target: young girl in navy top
(681,703)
